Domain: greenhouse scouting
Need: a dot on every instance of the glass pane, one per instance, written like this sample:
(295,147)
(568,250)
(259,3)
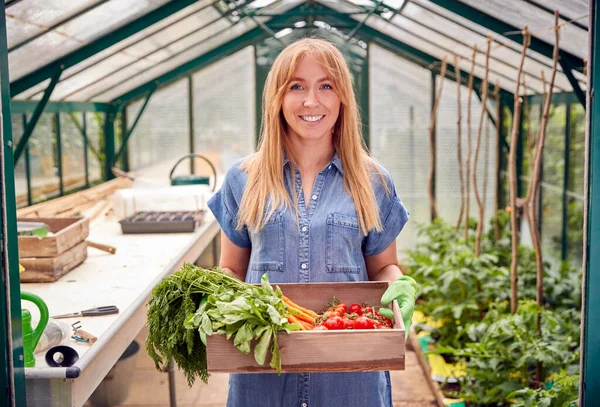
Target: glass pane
(344,7)
(73,154)
(577,150)
(95,135)
(448,186)
(399,116)
(575,231)
(162,133)
(519,13)
(26,19)
(571,9)
(503,60)
(225,115)
(176,61)
(551,223)
(20,174)
(72,35)
(44,178)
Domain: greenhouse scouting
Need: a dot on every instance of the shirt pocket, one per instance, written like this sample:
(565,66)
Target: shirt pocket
(343,244)
(268,246)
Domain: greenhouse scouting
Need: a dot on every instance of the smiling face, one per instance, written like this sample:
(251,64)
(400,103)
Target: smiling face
(310,105)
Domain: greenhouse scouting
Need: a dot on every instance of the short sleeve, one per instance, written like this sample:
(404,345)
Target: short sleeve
(224,205)
(393,218)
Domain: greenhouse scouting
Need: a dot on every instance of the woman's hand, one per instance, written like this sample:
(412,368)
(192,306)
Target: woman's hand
(403,290)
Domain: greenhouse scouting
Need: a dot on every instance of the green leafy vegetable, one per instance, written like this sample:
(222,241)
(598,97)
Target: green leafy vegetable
(196,302)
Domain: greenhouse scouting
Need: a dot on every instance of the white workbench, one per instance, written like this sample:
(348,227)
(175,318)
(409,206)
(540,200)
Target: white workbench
(124,279)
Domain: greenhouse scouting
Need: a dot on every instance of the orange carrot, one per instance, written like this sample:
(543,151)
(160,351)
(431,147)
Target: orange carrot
(305,318)
(293,319)
(294,305)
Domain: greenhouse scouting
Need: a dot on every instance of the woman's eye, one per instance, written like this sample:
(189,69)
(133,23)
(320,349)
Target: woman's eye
(295,87)
(327,86)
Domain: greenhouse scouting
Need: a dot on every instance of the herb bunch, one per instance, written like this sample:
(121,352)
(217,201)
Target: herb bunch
(178,317)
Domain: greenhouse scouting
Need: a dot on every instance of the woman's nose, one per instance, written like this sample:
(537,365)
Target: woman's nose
(311,100)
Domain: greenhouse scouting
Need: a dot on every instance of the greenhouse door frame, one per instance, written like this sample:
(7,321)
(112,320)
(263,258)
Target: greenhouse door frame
(12,376)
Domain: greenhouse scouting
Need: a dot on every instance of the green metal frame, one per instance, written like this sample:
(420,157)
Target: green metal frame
(565,196)
(28,106)
(128,133)
(567,70)
(12,376)
(58,155)
(102,43)
(590,351)
(557,98)
(191,132)
(39,109)
(109,144)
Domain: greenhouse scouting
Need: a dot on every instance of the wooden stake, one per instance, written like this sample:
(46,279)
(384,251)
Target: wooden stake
(512,163)
(432,124)
(486,162)
(498,142)
(468,189)
(477,145)
(459,143)
(534,187)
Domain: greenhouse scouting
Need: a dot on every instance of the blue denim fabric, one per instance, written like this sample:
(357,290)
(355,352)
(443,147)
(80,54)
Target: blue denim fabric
(326,245)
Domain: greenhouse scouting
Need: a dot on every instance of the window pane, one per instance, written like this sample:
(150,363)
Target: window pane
(225,115)
(399,117)
(44,178)
(95,134)
(73,154)
(162,133)
(20,174)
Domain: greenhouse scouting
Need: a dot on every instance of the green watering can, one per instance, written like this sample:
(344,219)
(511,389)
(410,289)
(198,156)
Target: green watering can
(31,336)
(193,179)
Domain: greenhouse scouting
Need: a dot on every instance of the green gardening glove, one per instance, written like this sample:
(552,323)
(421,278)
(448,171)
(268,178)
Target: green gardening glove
(404,290)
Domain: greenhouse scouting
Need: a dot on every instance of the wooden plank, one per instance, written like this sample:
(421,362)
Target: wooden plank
(320,351)
(67,233)
(43,270)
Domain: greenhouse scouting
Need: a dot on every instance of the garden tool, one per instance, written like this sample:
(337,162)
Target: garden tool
(193,179)
(31,336)
(404,290)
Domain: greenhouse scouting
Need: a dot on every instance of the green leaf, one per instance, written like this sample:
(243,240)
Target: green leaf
(260,350)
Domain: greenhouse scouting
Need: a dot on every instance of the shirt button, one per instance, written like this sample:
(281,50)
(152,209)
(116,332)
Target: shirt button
(314,197)
(329,167)
(304,405)
(304,228)
(304,266)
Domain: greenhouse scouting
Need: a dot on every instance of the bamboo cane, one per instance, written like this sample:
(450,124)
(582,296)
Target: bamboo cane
(468,189)
(498,141)
(513,178)
(432,125)
(477,146)
(459,143)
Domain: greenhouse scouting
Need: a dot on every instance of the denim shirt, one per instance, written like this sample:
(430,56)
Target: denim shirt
(324,244)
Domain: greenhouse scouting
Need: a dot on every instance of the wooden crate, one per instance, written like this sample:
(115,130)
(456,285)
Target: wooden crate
(68,232)
(48,269)
(322,351)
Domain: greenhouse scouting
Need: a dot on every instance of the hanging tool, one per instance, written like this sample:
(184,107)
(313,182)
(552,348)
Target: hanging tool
(92,312)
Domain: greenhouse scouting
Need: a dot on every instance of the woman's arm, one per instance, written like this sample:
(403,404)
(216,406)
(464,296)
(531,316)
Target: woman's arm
(384,266)
(234,259)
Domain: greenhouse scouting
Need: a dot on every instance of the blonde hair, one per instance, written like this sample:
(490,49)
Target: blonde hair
(266,184)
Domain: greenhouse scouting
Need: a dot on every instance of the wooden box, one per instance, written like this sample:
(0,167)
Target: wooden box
(48,269)
(67,232)
(49,258)
(322,351)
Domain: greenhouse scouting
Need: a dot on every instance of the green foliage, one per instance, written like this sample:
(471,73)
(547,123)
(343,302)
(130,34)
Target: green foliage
(177,317)
(563,392)
(470,296)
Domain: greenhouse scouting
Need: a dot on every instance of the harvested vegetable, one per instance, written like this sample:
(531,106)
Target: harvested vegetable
(178,317)
(338,316)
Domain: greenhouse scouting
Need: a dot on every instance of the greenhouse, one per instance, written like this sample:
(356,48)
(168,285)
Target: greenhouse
(124,123)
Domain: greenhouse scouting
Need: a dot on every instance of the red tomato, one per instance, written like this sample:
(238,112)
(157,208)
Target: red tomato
(333,323)
(341,308)
(355,309)
(319,328)
(348,323)
(367,310)
(363,322)
(388,322)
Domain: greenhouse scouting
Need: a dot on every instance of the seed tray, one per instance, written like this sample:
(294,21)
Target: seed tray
(162,222)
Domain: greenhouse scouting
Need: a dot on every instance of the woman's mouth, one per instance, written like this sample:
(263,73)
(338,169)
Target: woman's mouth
(313,118)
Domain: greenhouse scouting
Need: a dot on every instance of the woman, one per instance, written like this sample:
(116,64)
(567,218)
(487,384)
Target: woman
(310,206)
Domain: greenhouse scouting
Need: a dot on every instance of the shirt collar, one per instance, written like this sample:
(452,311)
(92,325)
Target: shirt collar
(335,161)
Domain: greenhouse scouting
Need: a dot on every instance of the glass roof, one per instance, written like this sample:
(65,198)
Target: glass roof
(43,31)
